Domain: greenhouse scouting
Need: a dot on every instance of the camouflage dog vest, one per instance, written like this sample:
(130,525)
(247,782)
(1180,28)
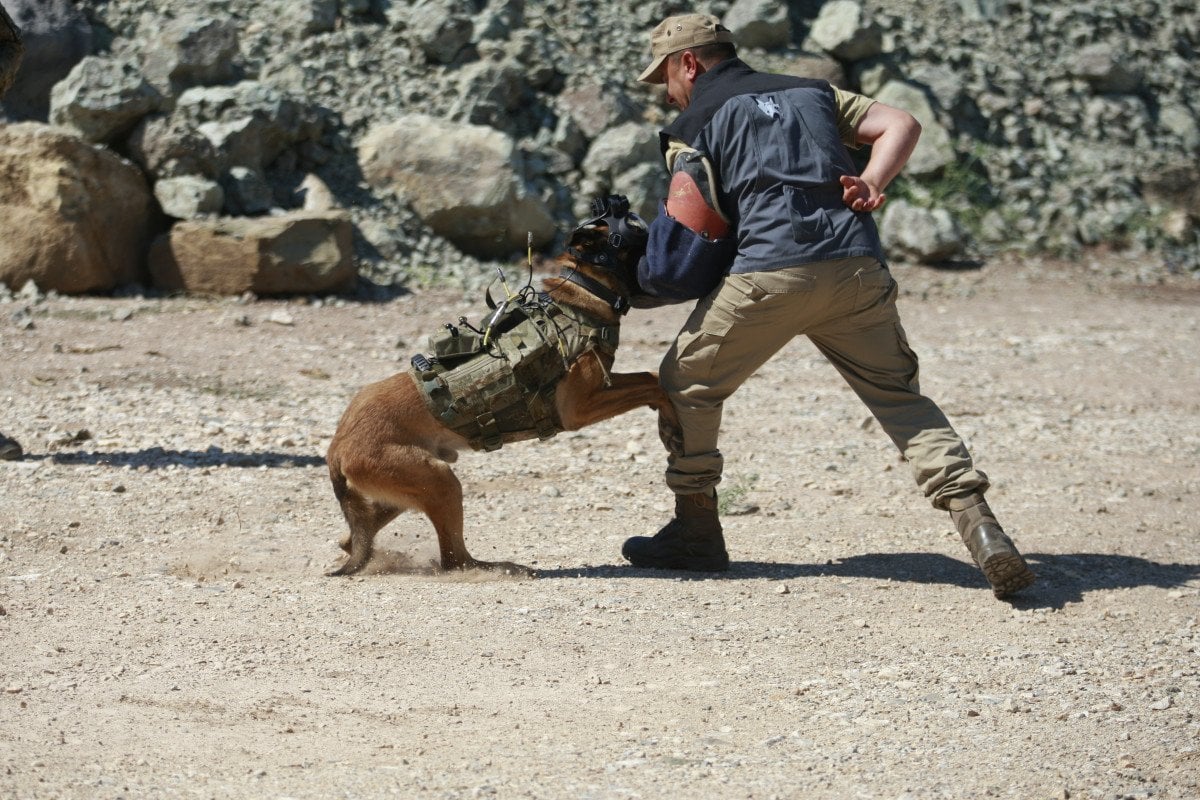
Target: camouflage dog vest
(497,385)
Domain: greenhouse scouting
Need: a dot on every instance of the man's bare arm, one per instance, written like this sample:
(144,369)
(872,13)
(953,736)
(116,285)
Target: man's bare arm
(892,134)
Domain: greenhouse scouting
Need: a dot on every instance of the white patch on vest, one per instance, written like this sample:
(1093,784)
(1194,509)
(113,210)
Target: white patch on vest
(768,106)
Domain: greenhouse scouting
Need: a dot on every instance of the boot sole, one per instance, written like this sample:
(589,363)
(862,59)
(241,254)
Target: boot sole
(720,565)
(717,563)
(1007,573)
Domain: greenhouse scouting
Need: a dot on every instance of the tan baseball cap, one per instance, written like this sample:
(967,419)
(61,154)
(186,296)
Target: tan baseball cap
(679,33)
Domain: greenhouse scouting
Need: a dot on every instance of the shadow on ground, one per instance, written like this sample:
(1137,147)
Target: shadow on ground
(1062,578)
(159,457)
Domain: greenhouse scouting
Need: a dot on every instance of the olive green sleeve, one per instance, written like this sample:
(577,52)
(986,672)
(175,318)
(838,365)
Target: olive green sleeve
(674,148)
(851,108)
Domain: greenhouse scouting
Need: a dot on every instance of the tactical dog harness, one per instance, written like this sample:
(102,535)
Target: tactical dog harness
(496,384)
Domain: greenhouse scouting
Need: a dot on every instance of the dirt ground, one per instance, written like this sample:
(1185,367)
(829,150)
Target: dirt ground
(167,629)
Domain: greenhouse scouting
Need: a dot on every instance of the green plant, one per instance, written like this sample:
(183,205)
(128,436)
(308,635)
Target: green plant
(731,497)
(962,186)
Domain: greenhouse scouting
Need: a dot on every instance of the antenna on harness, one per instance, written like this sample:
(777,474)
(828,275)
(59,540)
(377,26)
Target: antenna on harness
(500,309)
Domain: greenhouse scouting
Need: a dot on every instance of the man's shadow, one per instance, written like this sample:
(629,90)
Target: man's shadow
(1062,578)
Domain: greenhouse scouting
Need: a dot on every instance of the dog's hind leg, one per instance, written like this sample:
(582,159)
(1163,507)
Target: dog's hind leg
(365,518)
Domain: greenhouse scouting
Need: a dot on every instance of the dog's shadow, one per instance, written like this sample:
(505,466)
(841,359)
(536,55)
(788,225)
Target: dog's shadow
(1062,578)
(160,458)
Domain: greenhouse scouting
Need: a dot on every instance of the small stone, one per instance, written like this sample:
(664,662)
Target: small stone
(551,491)
(783,589)
(1161,705)
(122,315)
(281,318)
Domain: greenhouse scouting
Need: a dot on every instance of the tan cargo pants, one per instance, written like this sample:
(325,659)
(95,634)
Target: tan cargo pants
(848,309)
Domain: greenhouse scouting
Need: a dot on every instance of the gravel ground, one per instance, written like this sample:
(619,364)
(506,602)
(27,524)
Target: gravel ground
(168,631)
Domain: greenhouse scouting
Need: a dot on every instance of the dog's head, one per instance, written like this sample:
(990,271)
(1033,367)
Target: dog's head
(612,240)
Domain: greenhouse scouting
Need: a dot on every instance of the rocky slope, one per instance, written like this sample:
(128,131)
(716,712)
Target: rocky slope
(1048,126)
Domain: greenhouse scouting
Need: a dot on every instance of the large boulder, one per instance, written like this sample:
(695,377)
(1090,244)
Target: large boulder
(596,107)
(489,92)
(192,51)
(759,24)
(935,150)
(1106,68)
(843,30)
(101,99)
(231,134)
(250,123)
(622,148)
(189,196)
(296,253)
(76,217)
(812,65)
(439,29)
(925,235)
(464,181)
(56,36)
(306,17)
(625,160)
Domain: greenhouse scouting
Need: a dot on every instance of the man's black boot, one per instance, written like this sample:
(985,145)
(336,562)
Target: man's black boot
(692,540)
(990,546)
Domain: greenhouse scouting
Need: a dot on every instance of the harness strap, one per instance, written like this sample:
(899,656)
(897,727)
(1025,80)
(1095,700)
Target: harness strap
(541,410)
(489,431)
(617,302)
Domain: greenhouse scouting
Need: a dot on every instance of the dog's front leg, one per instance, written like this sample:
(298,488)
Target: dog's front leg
(589,394)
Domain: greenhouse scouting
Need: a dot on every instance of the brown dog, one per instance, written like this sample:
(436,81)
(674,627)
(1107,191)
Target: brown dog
(390,453)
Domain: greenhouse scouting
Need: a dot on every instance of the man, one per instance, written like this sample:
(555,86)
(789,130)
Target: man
(11,51)
(806,259)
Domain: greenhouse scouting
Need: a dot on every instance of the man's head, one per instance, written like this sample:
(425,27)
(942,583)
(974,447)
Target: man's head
(681,48)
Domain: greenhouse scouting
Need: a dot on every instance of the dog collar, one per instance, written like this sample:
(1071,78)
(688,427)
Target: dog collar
(618,302)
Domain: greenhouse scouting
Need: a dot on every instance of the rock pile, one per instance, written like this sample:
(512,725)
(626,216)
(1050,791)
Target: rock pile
(448,130)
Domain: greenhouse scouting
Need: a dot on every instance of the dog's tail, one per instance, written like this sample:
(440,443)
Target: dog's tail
(341,486)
